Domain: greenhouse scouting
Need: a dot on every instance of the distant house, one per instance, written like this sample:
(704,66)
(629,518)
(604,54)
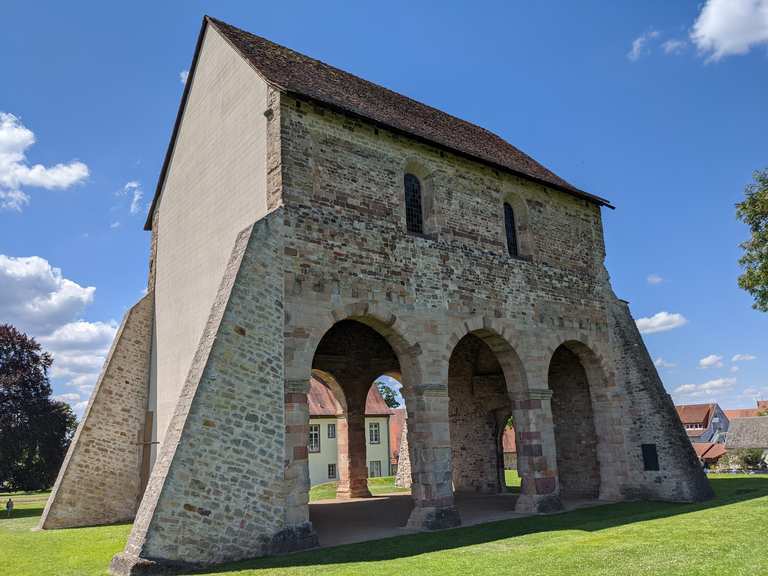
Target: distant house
(703,422)
(762,406)
(709,453)
(749,433)
(510,448)
(324,412)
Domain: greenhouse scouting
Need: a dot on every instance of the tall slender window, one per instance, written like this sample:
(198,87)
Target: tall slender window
(509,226)
(414,219)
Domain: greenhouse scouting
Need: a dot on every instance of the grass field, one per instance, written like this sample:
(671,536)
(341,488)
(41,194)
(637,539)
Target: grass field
(725,536)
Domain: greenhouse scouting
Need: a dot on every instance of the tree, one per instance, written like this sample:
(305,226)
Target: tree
(753,211)
(35,429)
(389,395)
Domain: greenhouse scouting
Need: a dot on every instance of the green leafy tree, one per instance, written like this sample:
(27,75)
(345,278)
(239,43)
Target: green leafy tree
(35,430)
(753,211)
(389,395)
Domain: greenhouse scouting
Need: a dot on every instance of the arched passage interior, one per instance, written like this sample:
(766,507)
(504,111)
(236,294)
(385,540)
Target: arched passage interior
(574,424)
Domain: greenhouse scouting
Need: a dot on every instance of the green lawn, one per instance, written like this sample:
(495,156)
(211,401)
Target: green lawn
(725,536)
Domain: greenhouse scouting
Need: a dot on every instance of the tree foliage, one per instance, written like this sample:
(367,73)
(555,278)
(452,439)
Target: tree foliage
(389,395)
(753,211)
(35,430)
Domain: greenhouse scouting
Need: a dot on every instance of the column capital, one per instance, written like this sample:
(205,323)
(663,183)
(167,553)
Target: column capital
(431,389)
(539,394)
(297,386)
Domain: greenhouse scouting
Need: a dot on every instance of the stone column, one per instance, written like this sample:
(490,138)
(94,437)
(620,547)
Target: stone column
(296,454)
(353,467)
(430,450)
(536,453)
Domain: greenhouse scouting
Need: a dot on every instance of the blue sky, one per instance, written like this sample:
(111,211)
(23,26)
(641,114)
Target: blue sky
(658,106)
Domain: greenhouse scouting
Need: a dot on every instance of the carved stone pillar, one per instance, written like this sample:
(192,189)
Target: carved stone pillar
(536,453)
(430,450)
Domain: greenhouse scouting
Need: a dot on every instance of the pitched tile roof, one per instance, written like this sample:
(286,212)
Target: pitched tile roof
(709,451)
(696,414)
(748,433)
(741,413)
(297,74)
(322,402)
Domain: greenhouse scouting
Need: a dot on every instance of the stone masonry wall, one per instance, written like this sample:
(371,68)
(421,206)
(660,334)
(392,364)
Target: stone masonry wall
(100,479)
(651,418)
(217,490)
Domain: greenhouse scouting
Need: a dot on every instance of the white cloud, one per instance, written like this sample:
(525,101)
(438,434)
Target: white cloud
(706,389)
(69,397)
(183,75)
(639,45)
(730,27)
(734,368)
(35,297)
(674,46)
(114,225)
(661,363)
(134,190)
(743,357)
(16,173)
(711,361)
(660,322)
(654,279)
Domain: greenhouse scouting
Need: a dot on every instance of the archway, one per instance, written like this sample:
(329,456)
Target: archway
(354,355)
(478,406)
(574,423)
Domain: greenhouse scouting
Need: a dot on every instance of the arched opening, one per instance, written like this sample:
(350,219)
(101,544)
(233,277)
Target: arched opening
(479,408)
(347,362)
(574,424)
(414,214)
(510,229)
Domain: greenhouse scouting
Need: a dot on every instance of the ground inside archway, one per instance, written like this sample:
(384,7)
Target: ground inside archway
(346,521)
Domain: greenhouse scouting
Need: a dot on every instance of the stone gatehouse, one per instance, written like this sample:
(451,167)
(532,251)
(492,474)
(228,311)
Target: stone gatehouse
(307,222)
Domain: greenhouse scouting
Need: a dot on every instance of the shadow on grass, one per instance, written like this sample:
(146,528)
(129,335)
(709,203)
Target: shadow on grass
(727,491)
(22,513)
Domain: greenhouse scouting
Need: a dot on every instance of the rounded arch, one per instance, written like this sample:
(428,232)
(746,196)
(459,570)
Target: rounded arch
(591,361)
(327,379)
(525,244)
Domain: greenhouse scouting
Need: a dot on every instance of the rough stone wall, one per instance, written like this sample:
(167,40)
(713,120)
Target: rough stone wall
(100,479)
(575,437)
(217,490)
(403,476)
(651,418)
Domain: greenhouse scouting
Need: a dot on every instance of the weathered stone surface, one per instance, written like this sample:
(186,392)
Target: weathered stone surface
(403,476)
(100,479)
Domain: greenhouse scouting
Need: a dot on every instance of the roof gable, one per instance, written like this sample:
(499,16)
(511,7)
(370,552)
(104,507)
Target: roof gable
(295,73)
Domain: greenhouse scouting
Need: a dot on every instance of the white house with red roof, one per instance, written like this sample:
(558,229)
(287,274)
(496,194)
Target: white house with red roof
(703,422)
(325,414)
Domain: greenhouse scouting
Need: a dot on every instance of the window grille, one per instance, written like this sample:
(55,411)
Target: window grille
(331,431)
(374,468)
(331,471)
(414,217)
(511,230)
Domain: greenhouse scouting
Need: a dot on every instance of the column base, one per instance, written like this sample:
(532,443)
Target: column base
(434,518)
(538,503)
(359,490)
(288,540)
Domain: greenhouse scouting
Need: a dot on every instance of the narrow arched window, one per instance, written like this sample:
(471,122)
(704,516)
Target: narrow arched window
(509,227)
(414,219)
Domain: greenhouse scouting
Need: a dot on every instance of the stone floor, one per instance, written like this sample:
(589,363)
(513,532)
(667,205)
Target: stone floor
(359,519)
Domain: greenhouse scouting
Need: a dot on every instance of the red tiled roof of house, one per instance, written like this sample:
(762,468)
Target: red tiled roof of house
(741,413)
(323,403)
(702,448)
(696,414)
(508,440)
(714,453)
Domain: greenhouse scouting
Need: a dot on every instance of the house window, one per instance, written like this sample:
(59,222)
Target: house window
(374,434)
(314,438)
(414,218)
(650,457)
(331,471)
(331,430)
(511,230)
(374,468)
